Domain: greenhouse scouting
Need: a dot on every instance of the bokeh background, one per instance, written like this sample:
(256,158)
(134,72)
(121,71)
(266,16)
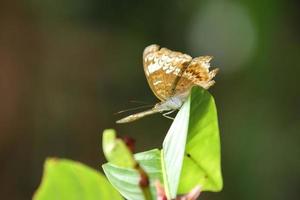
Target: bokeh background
(67,66)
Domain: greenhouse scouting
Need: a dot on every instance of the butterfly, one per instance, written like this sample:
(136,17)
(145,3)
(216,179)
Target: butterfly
(171,75)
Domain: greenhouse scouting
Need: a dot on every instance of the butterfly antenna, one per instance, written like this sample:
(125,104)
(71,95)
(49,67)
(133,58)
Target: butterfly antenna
(131,109)
(139,102)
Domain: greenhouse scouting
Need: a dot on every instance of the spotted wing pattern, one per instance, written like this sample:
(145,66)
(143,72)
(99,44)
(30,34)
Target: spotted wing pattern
(162,67)
(197,73)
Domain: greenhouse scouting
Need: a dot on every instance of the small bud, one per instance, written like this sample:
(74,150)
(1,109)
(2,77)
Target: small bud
(160,191)
(144,180)
(192,195)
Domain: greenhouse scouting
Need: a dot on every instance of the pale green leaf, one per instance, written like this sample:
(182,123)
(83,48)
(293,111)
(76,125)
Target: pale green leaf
(126,180)
(116,151)
(173,149)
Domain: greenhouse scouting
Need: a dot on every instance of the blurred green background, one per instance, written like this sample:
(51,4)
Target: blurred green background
(67,66)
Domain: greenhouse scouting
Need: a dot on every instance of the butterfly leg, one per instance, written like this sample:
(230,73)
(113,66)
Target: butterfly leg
(167,113)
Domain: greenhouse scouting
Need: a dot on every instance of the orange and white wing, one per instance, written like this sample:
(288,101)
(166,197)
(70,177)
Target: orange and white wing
(163,68)
(197,73)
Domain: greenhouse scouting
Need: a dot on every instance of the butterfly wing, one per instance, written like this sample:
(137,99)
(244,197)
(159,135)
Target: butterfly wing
(197,73)
(163,68)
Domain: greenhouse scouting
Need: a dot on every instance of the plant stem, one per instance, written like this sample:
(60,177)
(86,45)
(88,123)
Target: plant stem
(147,193)
(144,182)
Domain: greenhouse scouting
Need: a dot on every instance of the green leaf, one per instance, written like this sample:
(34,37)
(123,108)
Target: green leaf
(126,180)
(173,150)
(116,151)
(202,163)
(191,149)
(66,179)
